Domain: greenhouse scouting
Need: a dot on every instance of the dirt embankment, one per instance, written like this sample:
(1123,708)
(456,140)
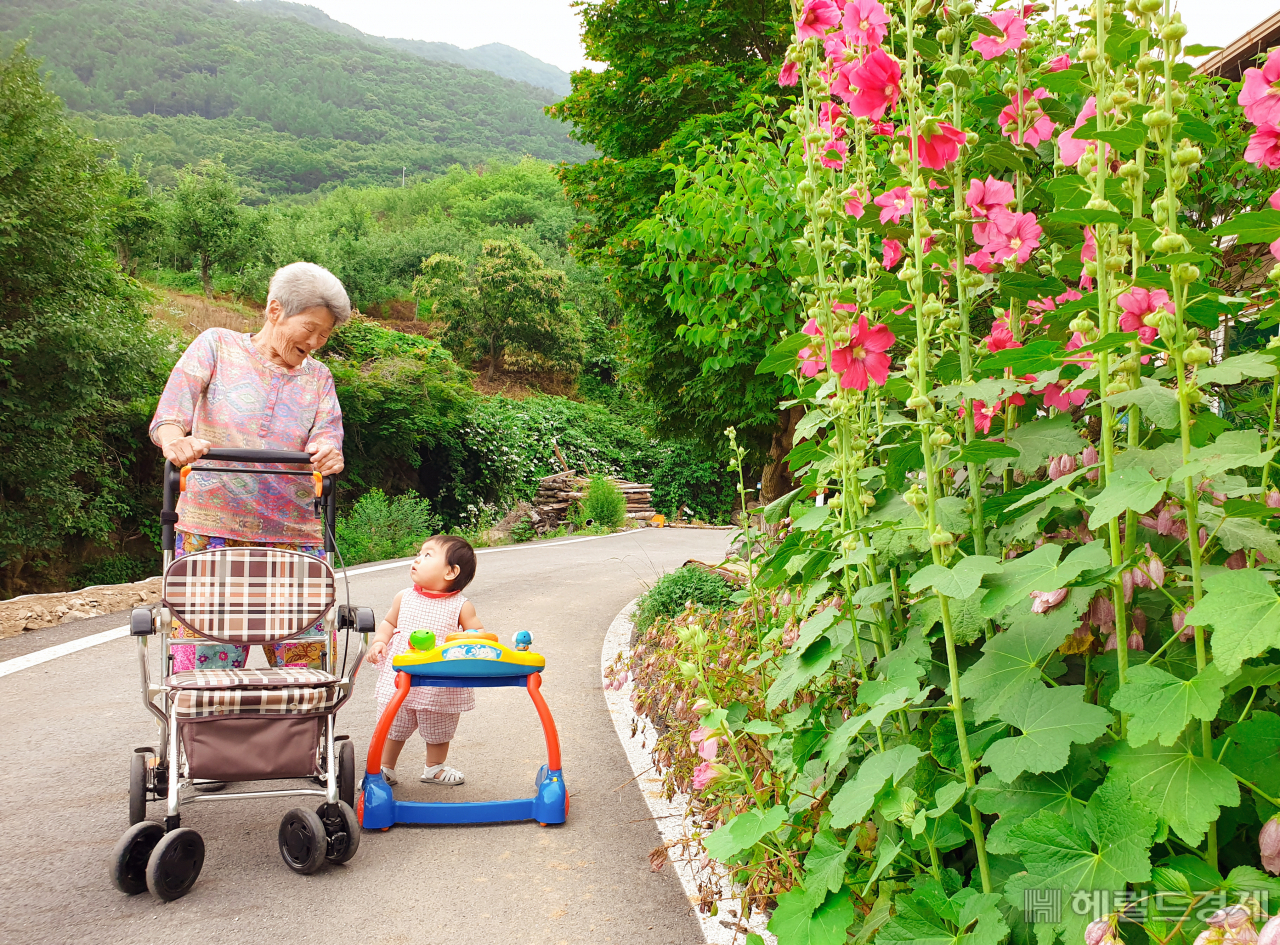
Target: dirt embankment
(36,611)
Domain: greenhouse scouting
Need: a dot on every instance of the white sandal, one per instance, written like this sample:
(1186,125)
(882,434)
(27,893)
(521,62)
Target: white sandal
(389,775)
(442,774)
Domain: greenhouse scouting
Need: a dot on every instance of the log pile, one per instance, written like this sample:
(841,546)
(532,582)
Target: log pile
(557,494)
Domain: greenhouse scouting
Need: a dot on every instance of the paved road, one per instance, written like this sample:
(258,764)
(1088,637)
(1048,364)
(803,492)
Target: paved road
(70,724)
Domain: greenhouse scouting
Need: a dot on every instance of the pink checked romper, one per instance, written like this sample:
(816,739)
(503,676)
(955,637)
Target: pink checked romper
(433,710)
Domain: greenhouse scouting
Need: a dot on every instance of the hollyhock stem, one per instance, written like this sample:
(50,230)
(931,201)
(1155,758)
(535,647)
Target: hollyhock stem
(1184,406)
(1105,236)
(1134,421)
(915,286)
(1271,442)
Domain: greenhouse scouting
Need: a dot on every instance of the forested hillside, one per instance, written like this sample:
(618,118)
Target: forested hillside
(288,106)
(505,60)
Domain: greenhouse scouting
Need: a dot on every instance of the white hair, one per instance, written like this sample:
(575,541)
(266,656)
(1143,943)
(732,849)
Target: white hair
(303,285)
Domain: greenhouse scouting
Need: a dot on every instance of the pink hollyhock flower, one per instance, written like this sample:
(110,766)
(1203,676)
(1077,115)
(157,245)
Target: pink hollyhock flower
(789,74)
(1078,340)
(1269,845)
(1274,200)
(1013,32)
(838,146)
(1088,253)
(1068,146)
(816,18)
(709,749)
(985,196)
(941,148)
(864,356)
(813,358)
(1057,396)
(892,253)
(1044,601)
(1260,94)
(865,23)
(981,260)
(882,128)
(1001,337)
(876,78)
(703,775)
(1049,304)
(855,201)
(1263,148)
(833,45)
(699,735)
(1036,126)
(894,204)
(1275,249)
(1017,237)
(1059,63)
(983,414)
(1136,304)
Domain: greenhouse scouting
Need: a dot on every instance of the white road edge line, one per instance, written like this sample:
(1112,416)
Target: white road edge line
(62,649)
(669,816)
(73,646)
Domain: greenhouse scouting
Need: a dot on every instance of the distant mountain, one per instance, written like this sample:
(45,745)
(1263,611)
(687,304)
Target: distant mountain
(505,60)
(289,105)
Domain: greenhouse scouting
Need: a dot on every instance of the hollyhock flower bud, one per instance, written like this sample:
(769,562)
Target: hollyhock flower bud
(1101,611)
(1111,644)
(1164,521)
(703,706)
(1126,581)
(1135,641)
(1098,930)
(1067,463)
(1140,578)
(1269,846)
(1055,471)
(704,775)
(1083,632)
(1236,561)
(711,747)
(1155,570)
(1273,499)
(1204,537)
(1270,932)
(1139,620)
(1089,456)
(1044,601)
(1232,917)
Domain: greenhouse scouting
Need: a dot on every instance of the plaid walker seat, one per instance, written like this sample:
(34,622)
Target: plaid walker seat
(224,725)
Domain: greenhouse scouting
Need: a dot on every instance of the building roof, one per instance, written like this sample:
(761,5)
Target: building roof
(1238,55)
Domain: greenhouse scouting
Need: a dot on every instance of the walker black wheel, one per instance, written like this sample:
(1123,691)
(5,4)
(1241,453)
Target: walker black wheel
(303,843)
(129,858)
(175,864)
(347,773)
(342,829)
(138,785)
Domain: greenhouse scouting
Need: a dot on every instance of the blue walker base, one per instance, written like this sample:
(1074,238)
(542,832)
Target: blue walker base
(381,810)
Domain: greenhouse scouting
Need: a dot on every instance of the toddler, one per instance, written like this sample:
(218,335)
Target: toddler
(445,565)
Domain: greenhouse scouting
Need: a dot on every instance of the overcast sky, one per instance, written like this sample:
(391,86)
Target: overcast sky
(550,30)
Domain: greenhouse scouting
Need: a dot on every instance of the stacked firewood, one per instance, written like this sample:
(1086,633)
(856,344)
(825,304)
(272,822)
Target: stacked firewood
(557,494)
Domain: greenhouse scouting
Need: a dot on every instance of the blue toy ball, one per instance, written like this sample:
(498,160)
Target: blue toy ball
(523,640)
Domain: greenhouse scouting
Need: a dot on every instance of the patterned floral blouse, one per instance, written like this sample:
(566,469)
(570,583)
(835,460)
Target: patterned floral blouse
(225,391)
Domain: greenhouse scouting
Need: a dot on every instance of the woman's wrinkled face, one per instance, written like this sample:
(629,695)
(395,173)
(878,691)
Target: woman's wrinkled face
(295,338)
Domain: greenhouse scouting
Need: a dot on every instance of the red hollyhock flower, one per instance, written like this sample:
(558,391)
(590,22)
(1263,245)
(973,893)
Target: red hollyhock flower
(877,80)
(940,148)
(864,356)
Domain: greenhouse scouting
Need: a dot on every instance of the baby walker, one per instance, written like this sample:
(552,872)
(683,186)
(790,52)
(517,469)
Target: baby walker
(469,659)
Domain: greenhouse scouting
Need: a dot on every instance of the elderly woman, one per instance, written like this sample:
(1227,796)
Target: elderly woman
(261,391)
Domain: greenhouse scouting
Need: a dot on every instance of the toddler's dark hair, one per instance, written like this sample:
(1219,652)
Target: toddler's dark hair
(457,553)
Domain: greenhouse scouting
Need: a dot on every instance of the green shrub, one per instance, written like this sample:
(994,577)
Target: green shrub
(604,504)
(116,569)
(380,527)
(523,531)
(674,591)
(691,475)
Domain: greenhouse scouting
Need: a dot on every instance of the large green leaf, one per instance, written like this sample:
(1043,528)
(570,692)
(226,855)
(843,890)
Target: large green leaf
(1231,450)
(1234,370)
(1159,405)
(1040,439)
(1185,789)
(824,863)
(1253,751)
(1009,661)
(1064,792)
(928,917)
(1160,704)
(958,581)
(744,831)
(1262,226)
(781,359)
(1050,721)
(1111,851)
(1241,532)
(1132,488)
(1244,613)
(854,800)
(1040,570)
(795,921)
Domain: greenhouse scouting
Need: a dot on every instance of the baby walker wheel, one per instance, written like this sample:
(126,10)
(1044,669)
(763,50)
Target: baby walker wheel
(342,831)
(175,864)
(303,843)
(129,858)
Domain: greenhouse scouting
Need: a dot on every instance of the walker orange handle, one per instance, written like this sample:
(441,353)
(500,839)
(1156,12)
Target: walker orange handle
(534,682)
(319,480)
(374,763)
(182,477)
